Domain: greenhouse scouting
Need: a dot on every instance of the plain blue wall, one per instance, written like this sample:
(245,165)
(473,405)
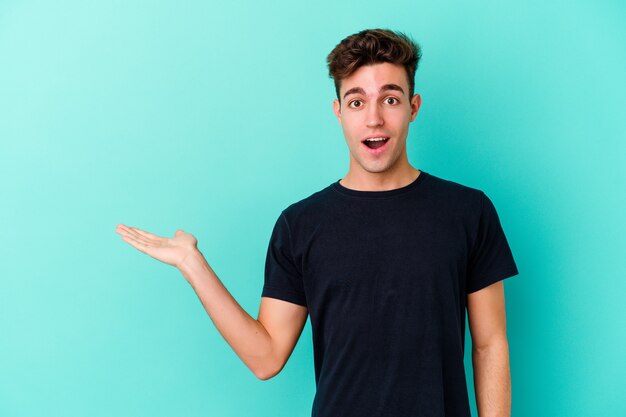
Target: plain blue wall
(213,117)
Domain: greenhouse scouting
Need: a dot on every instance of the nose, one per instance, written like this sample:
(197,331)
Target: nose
(374,117)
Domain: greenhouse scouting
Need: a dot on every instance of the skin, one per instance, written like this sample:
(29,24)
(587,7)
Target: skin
(367,108)
(490,351)
(265,344)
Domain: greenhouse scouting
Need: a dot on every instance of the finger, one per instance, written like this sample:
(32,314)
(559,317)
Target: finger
(126,231)
(143,235)
(120,227)
(132,231)
(136,236)
(147,235)
(138,245)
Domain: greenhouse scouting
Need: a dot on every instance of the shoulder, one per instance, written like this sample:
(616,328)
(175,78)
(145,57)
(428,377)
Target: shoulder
(309,210)
(448,186)
(453,193)
(310,207)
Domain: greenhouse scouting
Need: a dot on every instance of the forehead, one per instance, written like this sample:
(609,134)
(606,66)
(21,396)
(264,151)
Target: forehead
(371,77)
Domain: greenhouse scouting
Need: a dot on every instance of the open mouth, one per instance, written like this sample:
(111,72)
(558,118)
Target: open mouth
(375,143)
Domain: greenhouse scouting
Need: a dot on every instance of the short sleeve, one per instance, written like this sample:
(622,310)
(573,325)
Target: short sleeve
(490,258)
(283,280)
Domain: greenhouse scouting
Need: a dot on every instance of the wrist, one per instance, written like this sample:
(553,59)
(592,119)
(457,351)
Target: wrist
(192,261)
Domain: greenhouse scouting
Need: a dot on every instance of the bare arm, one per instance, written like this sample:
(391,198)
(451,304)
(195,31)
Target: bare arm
(264,345)
(490,351)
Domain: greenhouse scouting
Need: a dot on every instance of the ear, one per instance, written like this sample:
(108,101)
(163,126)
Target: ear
(416,102)
(337,110)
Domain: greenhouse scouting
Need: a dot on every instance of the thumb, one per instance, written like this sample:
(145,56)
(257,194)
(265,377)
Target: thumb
(179,232)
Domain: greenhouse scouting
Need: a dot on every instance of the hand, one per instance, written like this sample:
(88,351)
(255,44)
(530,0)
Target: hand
(172,251)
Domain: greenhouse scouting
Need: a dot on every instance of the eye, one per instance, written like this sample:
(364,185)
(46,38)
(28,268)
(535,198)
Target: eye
(392,100)
(355,104)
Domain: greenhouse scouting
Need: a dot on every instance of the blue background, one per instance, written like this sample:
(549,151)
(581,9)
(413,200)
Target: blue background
(214,116)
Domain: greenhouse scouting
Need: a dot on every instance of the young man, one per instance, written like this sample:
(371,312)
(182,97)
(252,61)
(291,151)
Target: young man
(385,261)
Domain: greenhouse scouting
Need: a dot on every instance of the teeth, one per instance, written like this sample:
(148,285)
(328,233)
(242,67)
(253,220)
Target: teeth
(375,139)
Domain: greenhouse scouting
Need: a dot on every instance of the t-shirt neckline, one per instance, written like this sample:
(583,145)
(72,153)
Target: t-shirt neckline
(380,194)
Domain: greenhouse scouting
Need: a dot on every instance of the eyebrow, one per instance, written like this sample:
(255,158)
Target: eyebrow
(386,87)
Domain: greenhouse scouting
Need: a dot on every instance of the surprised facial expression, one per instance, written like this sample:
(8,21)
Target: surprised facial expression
(374,113)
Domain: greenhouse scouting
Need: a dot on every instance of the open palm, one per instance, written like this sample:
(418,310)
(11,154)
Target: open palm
(172,251)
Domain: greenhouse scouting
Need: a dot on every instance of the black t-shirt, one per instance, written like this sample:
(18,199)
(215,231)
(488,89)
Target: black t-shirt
(385,275)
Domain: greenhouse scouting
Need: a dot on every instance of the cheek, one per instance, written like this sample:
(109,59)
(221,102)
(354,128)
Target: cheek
(401,121)
(349,128)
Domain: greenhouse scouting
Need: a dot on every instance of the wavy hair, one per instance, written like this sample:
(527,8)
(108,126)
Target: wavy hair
(372,46)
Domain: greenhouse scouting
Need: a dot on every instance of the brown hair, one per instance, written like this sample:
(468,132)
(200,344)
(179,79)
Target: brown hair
(372,46)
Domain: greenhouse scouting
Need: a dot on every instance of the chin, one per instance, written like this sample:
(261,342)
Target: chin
(375,169)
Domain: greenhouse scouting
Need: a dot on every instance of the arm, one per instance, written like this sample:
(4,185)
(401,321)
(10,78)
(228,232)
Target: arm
(264,345)
(490,351)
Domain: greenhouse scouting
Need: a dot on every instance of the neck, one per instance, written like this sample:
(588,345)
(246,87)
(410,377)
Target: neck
(380,181)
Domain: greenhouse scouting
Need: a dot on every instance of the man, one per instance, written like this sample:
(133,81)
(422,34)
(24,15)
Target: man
(385,261)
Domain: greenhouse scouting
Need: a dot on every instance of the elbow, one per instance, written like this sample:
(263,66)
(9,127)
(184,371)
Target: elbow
(264,375)
(495,344)
(267,372)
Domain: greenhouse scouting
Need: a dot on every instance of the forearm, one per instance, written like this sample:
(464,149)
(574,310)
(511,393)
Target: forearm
(245,335)
(492,379)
